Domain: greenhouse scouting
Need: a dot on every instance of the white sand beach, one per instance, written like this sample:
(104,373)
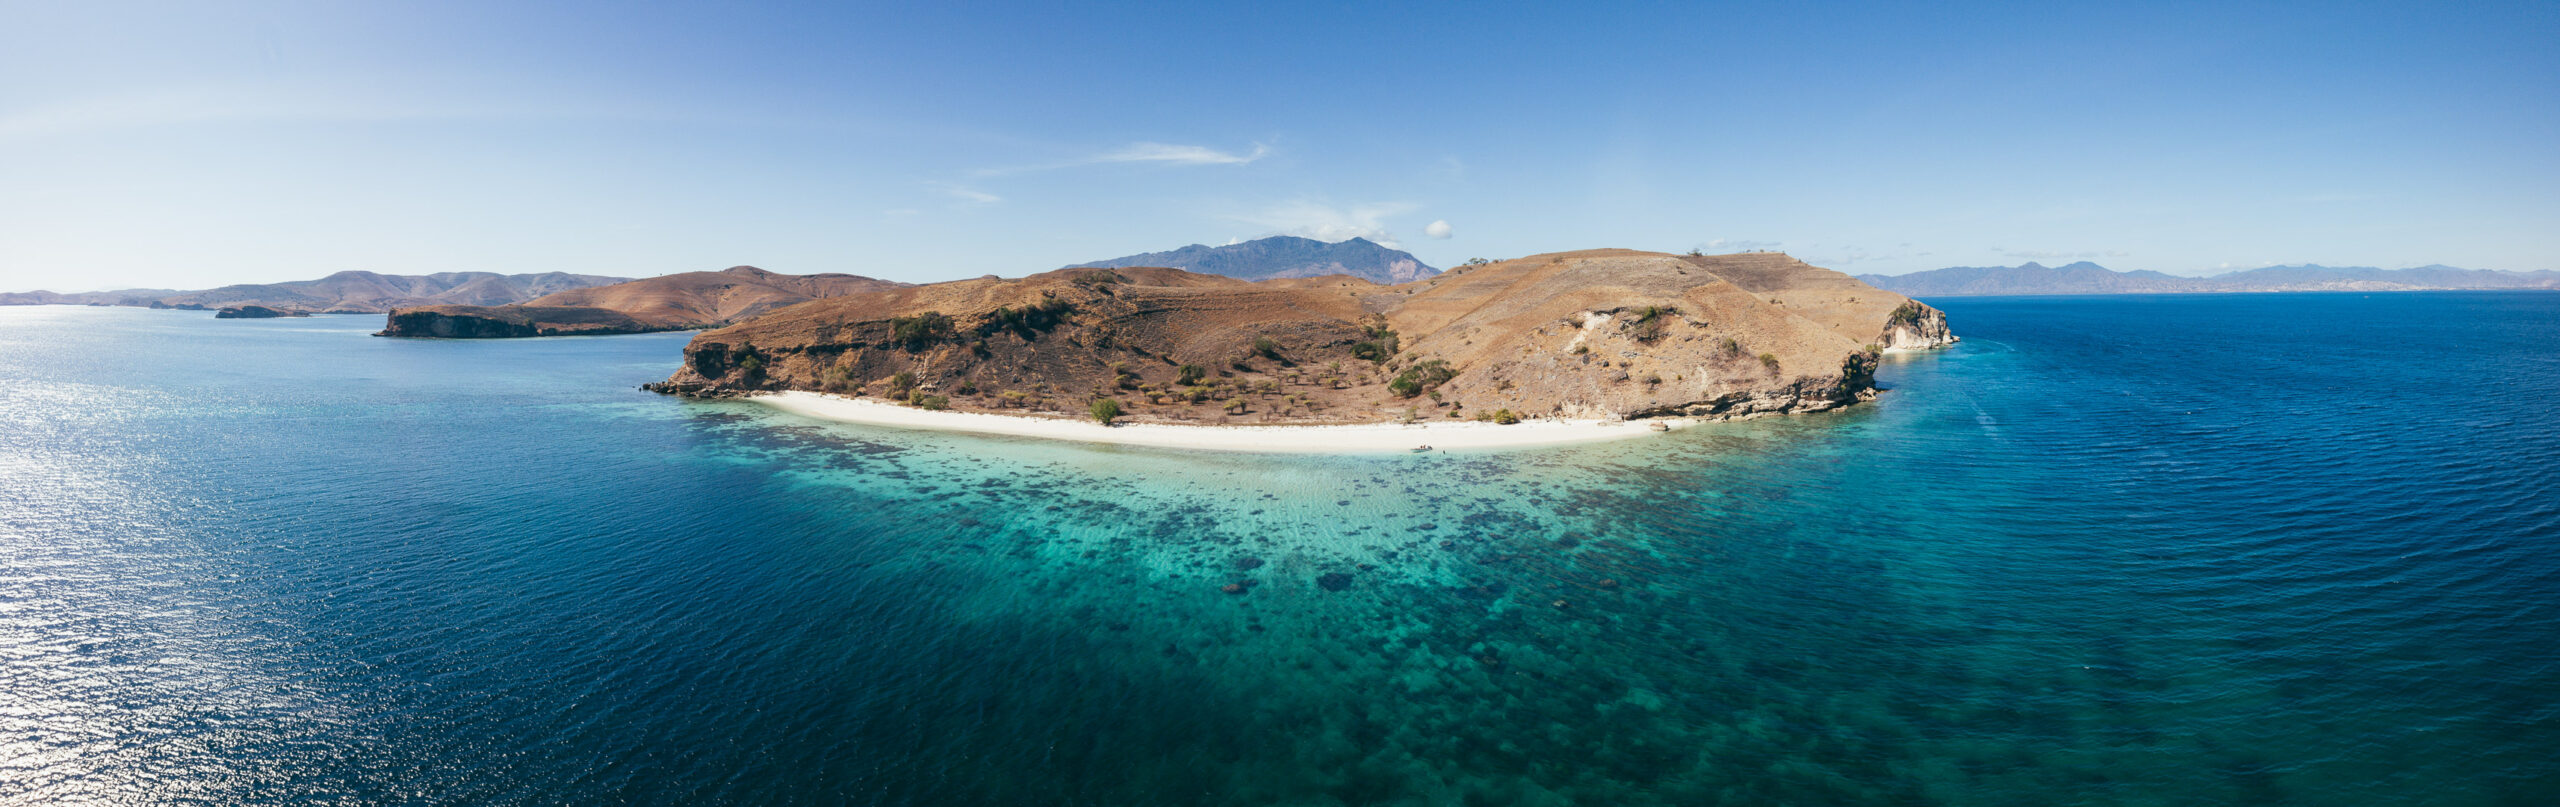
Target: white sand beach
(1375,438)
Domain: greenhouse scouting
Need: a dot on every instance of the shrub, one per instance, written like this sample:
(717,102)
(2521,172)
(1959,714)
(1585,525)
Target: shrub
(1421,377)
(1650,323)
(1769,360)
(1264,347)
(1027,322)
(968,388)
(933,402)
(901,384)
(1012,397)
(920,331)
(1106,410)
(1505,417)
(1190,374)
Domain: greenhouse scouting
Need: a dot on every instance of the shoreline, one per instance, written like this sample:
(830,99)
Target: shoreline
(1378,438)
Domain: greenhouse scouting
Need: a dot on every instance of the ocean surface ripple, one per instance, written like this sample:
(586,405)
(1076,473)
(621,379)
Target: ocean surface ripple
(2217,549)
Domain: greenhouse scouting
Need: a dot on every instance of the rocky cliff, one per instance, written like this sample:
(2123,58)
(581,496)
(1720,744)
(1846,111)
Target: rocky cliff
(1598,333)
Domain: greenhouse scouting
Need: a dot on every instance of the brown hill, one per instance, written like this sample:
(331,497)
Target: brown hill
(1593,334)
(670,303)
(343,292)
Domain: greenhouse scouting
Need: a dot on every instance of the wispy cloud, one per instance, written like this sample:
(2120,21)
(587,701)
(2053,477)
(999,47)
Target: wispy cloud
(965,193)
(1145,152)
(1180,155)
(1737,244)
(1325,222)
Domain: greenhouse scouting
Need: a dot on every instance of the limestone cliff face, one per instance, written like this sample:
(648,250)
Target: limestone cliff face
(1598,333)
(1914,326)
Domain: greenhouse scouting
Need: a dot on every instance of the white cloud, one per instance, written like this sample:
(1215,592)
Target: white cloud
(1179,155)
(1325,222)
(1438,229)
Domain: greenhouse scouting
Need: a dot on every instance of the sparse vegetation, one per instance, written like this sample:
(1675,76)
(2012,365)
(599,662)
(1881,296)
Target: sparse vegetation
(1105,410)
(902,384)
(1505,417)
(921,331)
(1769,360)
(1029,321)
(1263,346)
(935,403)
(1190,374)
(1421,378)
(1650,322)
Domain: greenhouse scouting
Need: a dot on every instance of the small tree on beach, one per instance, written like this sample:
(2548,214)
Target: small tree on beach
(1106,410)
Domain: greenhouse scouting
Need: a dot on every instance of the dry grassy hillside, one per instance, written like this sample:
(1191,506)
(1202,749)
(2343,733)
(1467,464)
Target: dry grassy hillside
(1597,333)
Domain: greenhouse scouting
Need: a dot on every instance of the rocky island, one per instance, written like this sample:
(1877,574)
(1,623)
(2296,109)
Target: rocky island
(257,312)
(1597,334)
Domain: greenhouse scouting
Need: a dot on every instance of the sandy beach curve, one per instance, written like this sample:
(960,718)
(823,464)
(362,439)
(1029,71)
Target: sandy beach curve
(1369,438)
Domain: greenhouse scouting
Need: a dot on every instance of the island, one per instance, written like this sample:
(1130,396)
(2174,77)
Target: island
(1603,335)
(257,312)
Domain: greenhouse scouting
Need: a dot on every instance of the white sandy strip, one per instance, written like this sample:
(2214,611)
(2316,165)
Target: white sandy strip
(1383,437)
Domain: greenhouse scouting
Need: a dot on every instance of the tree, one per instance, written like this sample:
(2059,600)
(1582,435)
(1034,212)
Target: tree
(1106,410)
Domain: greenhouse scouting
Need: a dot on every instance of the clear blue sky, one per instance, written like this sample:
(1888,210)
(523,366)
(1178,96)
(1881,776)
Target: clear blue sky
(194,144)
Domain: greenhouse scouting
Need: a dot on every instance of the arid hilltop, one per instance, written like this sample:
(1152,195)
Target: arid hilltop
(669,303)
(1596,333)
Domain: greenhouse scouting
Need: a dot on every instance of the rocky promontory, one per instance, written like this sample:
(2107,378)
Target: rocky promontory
(1590,334)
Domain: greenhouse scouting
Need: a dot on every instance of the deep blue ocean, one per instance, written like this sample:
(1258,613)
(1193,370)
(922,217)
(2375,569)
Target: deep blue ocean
(2226,549)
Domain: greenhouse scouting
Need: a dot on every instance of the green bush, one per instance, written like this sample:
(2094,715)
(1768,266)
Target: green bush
(1421,377)
(1106,410)
(1190,374)
(901,384)
(921,331)
(1505,417)
(1769,360)
(933,402)
(1264,347)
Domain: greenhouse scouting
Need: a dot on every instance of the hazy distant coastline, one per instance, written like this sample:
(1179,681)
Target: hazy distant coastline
(2089,278)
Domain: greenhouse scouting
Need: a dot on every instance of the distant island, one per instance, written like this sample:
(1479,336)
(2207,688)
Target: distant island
(678,302)
(2089,278)
(1596,334)
(1284,256)
(256,312)
(351,292)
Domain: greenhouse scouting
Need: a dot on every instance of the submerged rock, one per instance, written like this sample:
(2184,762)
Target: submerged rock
(1334,581)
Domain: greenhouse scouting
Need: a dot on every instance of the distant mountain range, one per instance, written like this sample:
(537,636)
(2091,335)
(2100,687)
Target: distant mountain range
(344,292)
(1282,256)
(2089,278)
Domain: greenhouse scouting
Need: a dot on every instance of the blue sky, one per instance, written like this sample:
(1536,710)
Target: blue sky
(190,145)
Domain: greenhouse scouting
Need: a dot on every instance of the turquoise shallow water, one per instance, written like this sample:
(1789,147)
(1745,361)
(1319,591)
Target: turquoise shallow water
(2245,549)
